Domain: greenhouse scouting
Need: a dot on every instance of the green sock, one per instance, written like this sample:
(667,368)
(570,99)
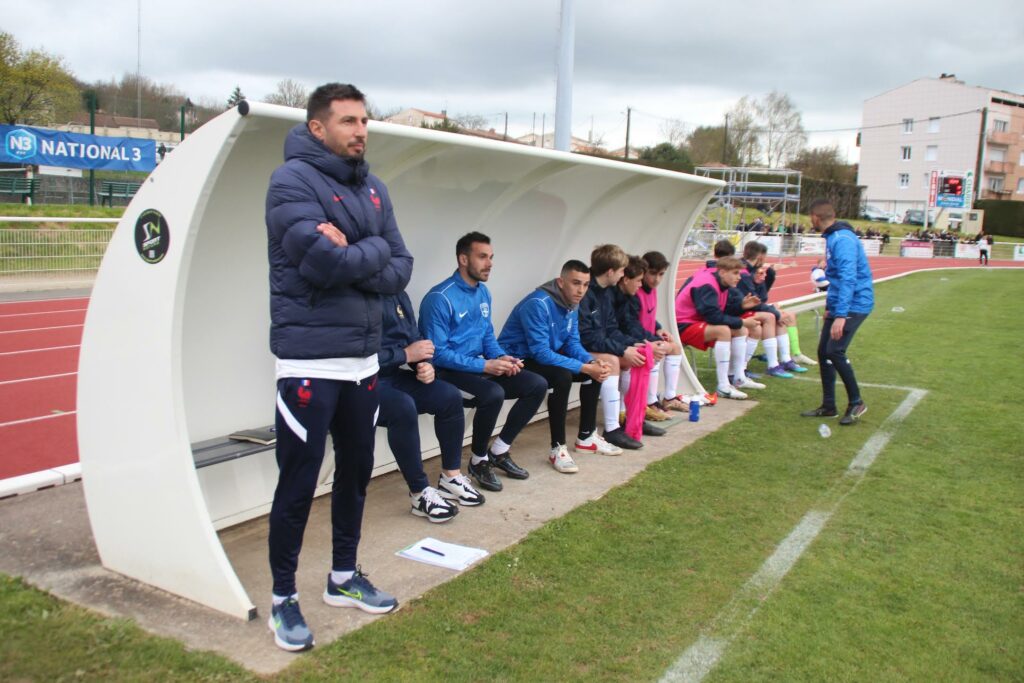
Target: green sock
(794,340)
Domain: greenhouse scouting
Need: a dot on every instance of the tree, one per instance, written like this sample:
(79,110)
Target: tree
(743,132)
(824,163)
(674,131)
(782,133)
(289,93)
(666,155)
(236,96)
(35,87)
(705,145)
(475,121)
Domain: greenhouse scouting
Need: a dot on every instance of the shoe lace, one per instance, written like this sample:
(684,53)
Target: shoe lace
(463,481)
(290,614)
(362,579)
(433,497)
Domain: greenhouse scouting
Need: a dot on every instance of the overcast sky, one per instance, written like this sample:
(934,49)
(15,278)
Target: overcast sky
(666,59)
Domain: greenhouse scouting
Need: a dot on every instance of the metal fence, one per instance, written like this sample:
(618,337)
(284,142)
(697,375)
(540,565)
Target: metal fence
(50,251)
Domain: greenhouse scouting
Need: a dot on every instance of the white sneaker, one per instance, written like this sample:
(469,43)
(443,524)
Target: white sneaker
(562,461)
(459,489)
(804,360)
(747,383)
(595,443)
(429,503)
(731,392)
(702,400)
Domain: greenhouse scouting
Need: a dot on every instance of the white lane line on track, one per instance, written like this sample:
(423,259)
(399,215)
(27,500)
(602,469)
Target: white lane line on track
(36,419)
(48,348)
(704,654)
(63,310)
(66,299)
(41,329)
(34,379)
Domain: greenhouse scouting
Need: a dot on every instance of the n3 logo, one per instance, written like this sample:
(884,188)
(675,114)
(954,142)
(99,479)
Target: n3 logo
(20,144)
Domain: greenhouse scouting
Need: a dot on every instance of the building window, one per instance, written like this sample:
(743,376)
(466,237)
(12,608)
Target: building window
(905,152)
(927,184)
(931,153)
(995,183)
(1022,158)
(1000,126)
(1020,186)
(908,125)
(997,154)
(904,179)
(933,124)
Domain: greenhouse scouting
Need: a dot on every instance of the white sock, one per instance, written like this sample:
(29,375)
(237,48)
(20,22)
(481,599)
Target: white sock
(751,349)
(672,364)
(610,403)
(499,447)
(738,358)
(341,577)
(784,348)
(723,352)
(624,379)
(652,384)
(477,459)
(278,599)
(771,349)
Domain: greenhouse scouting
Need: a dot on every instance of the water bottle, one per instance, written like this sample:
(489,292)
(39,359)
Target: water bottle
(824,430)
(694,411)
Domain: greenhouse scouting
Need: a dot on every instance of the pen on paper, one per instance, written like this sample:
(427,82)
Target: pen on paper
(431,550)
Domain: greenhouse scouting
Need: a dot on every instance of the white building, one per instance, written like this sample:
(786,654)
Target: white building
(417,117)
(936,124)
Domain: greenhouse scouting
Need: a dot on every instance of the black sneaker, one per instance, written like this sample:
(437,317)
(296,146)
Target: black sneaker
(619,437)
(651,430)
(484,475)
(853,413)
(429,503)
(504,463)
(820,411)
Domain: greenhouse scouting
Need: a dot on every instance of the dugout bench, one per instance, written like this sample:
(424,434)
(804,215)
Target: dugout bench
(111,190)
(24,188)
(174,352)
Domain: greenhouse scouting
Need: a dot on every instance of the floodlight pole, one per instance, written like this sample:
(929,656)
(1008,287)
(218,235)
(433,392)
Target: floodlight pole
(563,93)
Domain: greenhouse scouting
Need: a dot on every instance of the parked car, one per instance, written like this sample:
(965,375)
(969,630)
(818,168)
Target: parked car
(873,213)
(914,217)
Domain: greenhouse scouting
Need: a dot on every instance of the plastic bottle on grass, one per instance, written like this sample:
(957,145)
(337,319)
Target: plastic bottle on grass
(824,430)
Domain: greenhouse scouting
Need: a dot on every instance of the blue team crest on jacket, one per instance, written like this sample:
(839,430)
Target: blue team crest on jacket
(485,310)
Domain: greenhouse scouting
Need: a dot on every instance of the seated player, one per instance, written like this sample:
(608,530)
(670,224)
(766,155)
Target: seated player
(756,280)
(704,323)
(543,330)
(407,387)
(456,316)
(669,399)
(601,337)
(627,312)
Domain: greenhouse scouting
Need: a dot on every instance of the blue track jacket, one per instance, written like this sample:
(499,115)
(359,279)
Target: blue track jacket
(849,275)
(457,318)
(543,327)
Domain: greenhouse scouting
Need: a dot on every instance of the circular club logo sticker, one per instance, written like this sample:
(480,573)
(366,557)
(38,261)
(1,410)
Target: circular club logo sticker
(152,236)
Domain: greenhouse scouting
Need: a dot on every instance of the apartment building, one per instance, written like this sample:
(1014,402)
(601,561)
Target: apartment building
(940,124)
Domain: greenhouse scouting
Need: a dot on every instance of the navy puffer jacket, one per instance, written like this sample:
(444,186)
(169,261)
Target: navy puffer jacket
(324,299)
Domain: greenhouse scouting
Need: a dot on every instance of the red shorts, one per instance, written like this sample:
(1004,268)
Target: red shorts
(748,314)
(693,336)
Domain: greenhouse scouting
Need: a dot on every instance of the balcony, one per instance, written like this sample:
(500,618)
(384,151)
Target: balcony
(1000,167)
(1004,137)
(995,194)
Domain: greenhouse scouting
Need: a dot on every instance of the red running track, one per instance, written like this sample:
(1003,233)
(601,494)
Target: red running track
(39,343)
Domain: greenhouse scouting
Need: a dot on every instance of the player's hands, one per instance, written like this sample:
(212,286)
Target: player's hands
(337,237)
(838,325)
(750,301)
(517,364)
(788,319)
(665,336)
(751,324)
(634,357)
(419,350)
(498,367)
(595,370)
(425,372)
(660,349)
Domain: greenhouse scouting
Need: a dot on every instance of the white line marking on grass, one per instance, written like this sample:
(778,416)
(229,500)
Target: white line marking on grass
(703,655)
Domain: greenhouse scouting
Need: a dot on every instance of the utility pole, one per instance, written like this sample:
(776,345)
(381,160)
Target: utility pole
(725,140)
(543,127)
(629,114)
(563,92)
(138,70)
(981,157)
(504,136)
(91,95)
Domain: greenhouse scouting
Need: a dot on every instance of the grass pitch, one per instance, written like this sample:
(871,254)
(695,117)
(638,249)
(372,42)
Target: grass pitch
(917,577)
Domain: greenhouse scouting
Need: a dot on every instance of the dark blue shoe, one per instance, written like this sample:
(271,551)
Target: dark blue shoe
(289,628)
(359,592)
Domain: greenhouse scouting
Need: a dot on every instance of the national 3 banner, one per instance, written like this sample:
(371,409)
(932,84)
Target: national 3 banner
(45,147)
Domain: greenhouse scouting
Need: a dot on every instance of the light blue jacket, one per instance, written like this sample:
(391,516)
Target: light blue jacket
(849,275)
(544,328)
(457,318)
